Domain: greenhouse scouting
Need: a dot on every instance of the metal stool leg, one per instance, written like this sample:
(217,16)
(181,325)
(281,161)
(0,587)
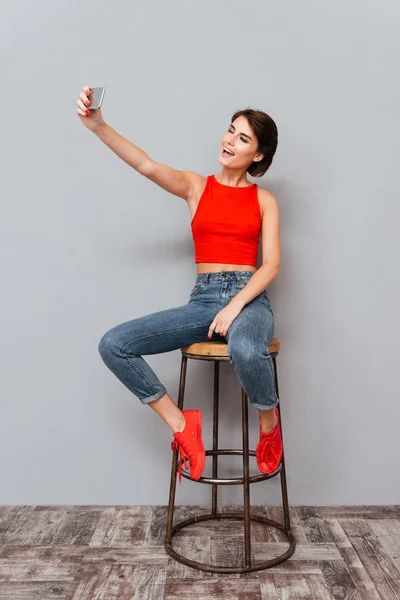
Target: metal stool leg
(174,469)
(214,491)
(246,485)
(285,501)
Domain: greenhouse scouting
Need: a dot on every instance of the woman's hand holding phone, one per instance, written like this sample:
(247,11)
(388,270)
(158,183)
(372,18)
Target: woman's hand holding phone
(92,119)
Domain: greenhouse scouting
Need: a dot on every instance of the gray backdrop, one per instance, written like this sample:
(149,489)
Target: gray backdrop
(88,243)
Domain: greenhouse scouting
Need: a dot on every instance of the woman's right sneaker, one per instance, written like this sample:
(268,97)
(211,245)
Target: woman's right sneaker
(189,442)
(269,449)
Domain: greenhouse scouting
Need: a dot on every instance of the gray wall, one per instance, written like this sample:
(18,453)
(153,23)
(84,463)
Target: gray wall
(88,243)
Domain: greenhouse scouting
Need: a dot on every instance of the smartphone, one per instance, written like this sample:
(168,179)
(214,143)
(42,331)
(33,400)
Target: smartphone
(96,97)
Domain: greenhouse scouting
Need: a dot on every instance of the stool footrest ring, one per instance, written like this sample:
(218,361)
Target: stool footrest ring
(232,480)
(219,568)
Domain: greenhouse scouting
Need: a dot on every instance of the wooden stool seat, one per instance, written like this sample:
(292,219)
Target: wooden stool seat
(221,348)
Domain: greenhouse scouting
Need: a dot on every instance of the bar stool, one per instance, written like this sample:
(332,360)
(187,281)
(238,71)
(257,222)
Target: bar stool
(217,352)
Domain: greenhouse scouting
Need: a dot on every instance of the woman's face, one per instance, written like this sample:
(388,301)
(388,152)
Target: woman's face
(240,140)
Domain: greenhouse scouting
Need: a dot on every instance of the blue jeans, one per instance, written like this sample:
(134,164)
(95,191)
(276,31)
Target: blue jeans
(248,337)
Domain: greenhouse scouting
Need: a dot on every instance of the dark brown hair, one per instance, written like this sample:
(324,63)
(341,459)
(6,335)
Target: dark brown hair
(266,132)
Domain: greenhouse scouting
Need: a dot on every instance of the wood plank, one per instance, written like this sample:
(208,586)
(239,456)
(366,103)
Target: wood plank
(382,571)
(363,583)
(120,584)
(37,590)
(193,547)
(293,587)
(224,588)
(319,551)
(126,529)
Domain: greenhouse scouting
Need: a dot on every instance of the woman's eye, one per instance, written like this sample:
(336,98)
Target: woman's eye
(243,139)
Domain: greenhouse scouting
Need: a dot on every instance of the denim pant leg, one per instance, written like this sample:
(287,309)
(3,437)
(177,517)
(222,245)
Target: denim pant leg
(248,336)
(122,347)
(248,339)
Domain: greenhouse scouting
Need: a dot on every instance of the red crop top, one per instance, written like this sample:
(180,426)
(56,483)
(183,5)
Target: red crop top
(226,226)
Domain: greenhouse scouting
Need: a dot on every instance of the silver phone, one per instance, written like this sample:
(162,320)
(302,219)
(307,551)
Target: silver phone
(96,97)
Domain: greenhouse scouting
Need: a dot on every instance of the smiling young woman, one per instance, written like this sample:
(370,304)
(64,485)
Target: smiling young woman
(228,301)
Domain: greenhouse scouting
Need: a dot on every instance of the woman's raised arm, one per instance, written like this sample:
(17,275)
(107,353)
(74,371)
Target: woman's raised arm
(178,183)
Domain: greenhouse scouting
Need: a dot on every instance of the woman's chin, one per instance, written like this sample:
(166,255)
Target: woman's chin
(224,160)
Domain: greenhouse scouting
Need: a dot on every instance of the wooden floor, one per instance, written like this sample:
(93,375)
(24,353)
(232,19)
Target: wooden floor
(117,552)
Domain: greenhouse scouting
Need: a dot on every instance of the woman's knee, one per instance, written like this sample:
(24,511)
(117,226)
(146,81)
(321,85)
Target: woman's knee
(105,344)
(119,341)
(110,343)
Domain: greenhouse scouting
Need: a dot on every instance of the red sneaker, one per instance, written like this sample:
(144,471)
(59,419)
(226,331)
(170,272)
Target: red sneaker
(269,449)
(190,444)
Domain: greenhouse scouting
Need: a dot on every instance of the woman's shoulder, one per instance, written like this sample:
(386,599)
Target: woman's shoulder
(198,184)
(267,200)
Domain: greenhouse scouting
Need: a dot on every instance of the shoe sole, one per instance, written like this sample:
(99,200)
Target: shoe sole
(201,456)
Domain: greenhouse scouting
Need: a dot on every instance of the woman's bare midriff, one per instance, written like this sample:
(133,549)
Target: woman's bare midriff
(213,267)
(217,267)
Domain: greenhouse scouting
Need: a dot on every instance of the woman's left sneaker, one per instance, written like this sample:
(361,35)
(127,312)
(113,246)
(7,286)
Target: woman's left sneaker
(189,443)
(269,449)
